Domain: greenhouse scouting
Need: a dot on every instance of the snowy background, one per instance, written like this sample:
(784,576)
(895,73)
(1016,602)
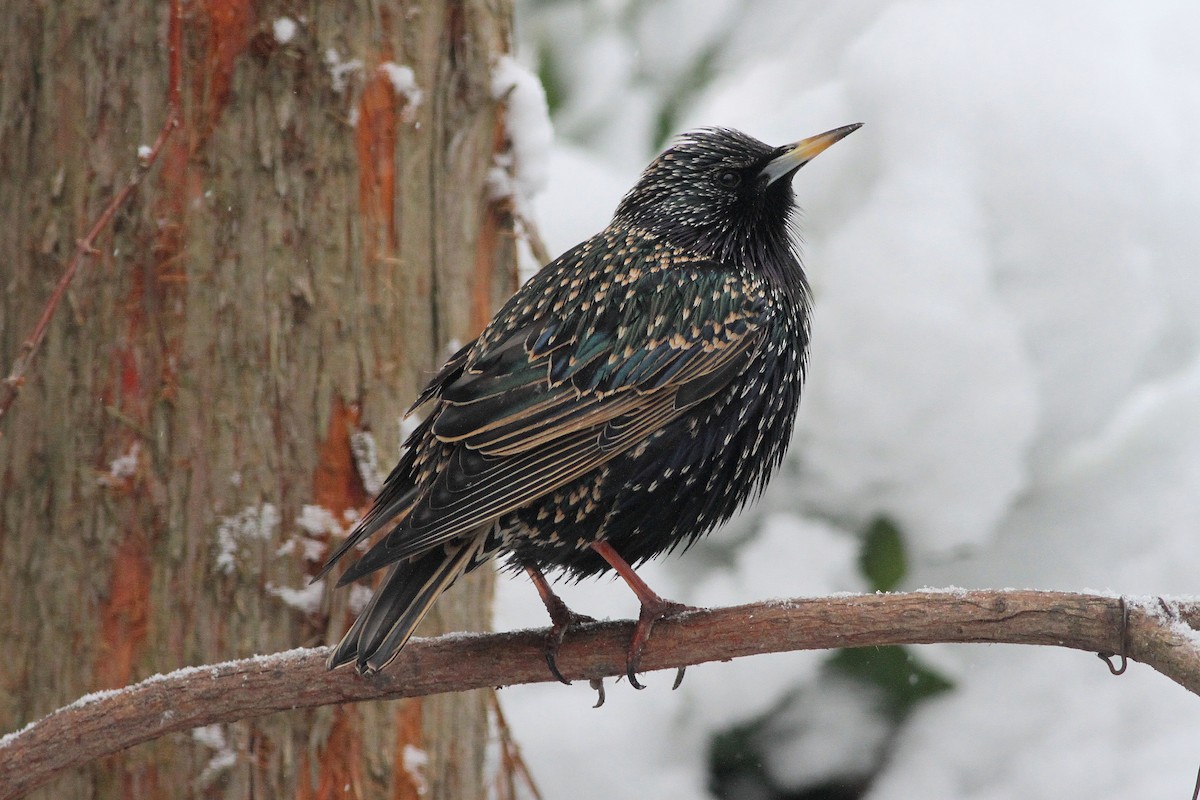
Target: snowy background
(1004,387)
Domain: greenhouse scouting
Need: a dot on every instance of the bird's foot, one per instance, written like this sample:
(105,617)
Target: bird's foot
(653,609)
(562,619)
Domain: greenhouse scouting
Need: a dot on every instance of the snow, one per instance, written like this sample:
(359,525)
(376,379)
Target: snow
(124,466)
(220,761)
(408,425)
(223,757)
(366,461)
(211,736)
(522,171)
(307,598)
(284,29)
(1029,723)
(830,732)
(1005,363)
(319,521)
(414,761)
(404,82)
(252,523)
(790,556)
(316,524)
(566,215)
(339,70)
(267,662)
(9,739)
(360,595)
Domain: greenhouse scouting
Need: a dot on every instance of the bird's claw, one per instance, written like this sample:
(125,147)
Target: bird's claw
(563,619)
(598,685)
(558,676)
(651,613)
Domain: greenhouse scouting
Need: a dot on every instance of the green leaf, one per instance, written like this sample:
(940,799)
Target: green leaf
(550,74)
(882,558)
(903,679)
(735,759)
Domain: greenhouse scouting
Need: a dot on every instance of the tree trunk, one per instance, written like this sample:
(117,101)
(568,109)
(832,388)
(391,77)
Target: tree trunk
(199,422)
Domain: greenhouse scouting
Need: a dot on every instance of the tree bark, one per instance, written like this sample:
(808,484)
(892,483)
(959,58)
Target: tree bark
(1158,632)
(313,239)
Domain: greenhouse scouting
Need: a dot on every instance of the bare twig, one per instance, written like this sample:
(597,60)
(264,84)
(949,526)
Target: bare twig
(1159,633)
(11,386)
(512,765)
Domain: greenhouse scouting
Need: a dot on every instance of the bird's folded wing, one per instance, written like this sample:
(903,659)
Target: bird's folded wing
(398,493)
(553,401)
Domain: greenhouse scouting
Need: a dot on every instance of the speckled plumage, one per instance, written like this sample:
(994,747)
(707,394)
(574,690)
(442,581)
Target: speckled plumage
(637,391)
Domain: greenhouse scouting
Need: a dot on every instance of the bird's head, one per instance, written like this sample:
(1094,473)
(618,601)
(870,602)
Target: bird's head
(721,193)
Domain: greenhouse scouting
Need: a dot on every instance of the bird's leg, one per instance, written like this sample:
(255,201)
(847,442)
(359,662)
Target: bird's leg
(561,618)
(654,608)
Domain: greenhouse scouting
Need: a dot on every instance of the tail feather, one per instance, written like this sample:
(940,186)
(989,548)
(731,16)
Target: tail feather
(386,510)
(400,603)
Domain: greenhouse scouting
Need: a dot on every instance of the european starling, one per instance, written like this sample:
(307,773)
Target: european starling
(624,402)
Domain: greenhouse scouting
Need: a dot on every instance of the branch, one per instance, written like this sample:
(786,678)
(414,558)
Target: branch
(1159,633)
(11,386)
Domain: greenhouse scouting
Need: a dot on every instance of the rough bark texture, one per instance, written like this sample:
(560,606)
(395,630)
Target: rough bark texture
(1158,632)
(310,244)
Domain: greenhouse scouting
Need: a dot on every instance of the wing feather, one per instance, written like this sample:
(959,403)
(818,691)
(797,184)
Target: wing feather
(535,411)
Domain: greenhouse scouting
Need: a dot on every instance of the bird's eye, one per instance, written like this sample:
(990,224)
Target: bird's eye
(729,179)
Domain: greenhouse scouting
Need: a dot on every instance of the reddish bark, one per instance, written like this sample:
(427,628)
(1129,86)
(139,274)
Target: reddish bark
(409,782)
(340,759)
(125,614)
(337,486)
(230,27)
(375,144)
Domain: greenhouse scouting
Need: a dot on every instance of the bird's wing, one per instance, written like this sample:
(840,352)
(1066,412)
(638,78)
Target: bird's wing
(555,400)
(398,491)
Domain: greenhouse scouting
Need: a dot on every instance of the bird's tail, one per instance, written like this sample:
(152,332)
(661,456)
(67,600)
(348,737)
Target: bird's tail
(400,603)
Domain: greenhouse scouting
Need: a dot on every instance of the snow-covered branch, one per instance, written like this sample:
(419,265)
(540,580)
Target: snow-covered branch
(1159,632)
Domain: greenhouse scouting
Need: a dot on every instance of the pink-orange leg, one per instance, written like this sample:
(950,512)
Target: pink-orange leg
(561,618)
(654,608)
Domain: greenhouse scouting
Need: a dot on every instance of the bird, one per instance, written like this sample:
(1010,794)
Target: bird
(624,402)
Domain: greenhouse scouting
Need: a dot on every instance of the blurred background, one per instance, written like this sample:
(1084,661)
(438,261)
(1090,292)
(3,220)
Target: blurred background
(1004,387)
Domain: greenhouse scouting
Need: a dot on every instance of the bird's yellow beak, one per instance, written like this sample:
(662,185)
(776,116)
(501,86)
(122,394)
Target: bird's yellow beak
(800,153)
